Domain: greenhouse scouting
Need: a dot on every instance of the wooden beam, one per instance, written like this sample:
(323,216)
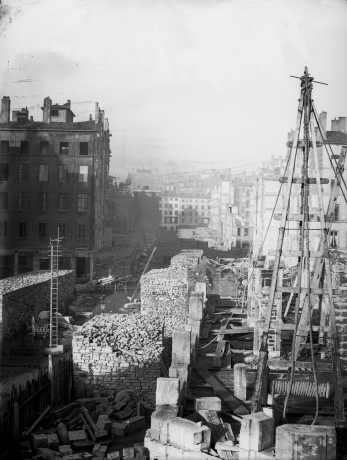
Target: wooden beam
(218,355)
(27,432)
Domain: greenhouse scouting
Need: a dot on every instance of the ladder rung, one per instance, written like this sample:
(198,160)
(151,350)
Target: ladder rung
(299,180)
(274,252)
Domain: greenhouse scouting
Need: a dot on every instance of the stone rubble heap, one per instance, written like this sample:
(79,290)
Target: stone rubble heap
(118,352)
(187,258)
(164,292)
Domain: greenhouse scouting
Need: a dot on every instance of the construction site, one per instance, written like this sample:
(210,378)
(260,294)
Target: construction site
(204,358)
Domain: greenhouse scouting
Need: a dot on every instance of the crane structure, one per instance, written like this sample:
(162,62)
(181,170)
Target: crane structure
(312,288)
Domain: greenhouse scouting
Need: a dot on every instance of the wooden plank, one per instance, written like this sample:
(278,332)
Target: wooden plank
(87,427)
(296,290)
(209,309)
(299,180)
(235,330)
(218,355)
(236,406)
(27,432)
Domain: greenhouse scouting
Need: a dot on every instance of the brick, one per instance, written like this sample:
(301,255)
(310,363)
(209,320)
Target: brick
(65,450)
(62,434)
(189,435)
(113,455)
(118,429)
(128,453)
(160,422)
(104,423)
(53,441)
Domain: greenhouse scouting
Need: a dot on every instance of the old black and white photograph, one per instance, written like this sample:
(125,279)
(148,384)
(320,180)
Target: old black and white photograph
(173,229)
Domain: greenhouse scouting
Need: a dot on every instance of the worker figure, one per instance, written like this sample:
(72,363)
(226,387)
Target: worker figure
(102,304)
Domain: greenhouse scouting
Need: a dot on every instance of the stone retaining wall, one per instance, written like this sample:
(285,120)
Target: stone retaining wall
(26,295)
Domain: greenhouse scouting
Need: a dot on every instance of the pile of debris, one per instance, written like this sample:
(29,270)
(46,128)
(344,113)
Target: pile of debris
(86,429)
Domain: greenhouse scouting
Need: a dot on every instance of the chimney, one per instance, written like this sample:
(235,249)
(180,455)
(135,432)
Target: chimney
(14,115)
(47,110)
(106,124)
(90,117)
(323,119)
(342,124)
(31,119)
(68,103)
(335,125)
(5,109)
(103,118)
(97,111)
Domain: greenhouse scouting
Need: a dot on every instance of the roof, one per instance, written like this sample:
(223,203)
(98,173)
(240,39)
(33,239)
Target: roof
(65,106)
(336,137)
(56,126)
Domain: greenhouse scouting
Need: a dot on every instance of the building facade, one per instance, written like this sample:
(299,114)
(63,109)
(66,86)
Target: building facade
(121,210)
(53,175)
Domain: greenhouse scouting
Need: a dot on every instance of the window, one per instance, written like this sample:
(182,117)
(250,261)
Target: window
(23,200)
(165,212)
(337,212)
(5,147)
(82,202)
(165,220)
(22,229)
(62,203)
(54,113)
(3,230)
(247,204)
(44,147)
(83,148)
(4,171)
(42,229)
(202,214)
(83,173)
(3,201)
(239,231)
(248,193)
(182,221)
(42,199)
(64,148)
(176,213)
(81,230)
(333,239)
(247,214)
(113,206)
(245,232)
(24,148)
(62,229)
(43,173)
(23,172)
(62,174)
(202,207)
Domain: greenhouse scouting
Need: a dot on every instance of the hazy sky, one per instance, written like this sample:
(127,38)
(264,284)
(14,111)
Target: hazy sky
(198,79)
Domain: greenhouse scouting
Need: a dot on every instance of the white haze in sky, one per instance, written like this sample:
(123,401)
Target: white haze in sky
(180,79)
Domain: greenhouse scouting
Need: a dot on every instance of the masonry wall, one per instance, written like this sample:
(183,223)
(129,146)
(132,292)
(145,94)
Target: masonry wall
(26,295)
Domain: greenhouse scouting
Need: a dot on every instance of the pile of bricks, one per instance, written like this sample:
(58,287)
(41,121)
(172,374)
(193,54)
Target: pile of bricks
(86,428)
(26,295)
(165,293)
(118,352)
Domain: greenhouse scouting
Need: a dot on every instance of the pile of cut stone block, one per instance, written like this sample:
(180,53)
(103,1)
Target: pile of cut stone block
(86,429)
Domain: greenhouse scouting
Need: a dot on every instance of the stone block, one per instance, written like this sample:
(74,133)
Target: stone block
(128,453)
(49,454)
(113,455)
(156,448)
(160,422)
(135,424)
(122,396)
(62,434)
(311,442)
(208,403)
(118,429)
(168,391)
(257,432)
(53,441)
(99,451)
(104,423)
(240,381)
(196,306)
(39,440)
(77,435)
(101,399)
(186,434)
(139,448)
(65,449)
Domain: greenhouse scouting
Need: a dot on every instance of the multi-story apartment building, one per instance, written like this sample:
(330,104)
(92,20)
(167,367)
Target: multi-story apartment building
(184,210)
(53,174)
(120,210)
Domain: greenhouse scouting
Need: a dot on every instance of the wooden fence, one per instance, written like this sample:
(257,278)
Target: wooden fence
(27,402)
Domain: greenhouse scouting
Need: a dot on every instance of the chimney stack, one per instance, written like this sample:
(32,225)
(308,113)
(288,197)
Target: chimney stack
(5,109)
(323,119)
(68,103)
(47,110)
(97,112)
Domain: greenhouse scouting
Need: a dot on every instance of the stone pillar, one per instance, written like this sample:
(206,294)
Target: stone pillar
(15,266)
(201,287)
(73,263)
(47,110)
(240,381)
(196,306)
(181,347)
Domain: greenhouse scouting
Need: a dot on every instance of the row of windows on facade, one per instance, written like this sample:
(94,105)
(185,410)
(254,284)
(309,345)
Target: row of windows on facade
(45,148)
(23,229)
(185,200)
(174,220)
(120,211)
(43,201)
(24,172)
(184,213)
(184,206)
